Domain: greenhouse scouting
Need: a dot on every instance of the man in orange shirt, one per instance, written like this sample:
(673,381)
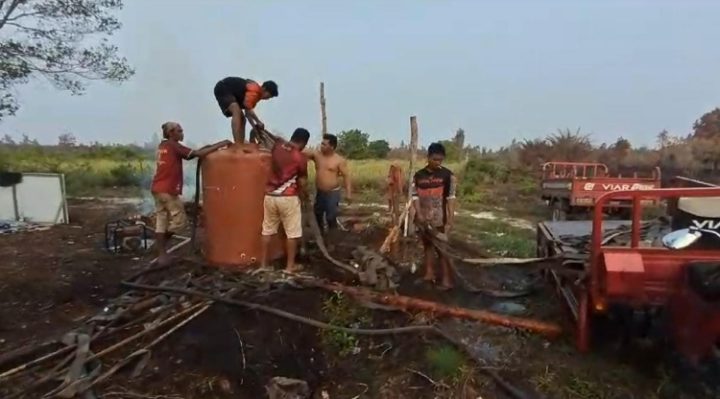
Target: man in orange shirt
(168,181)
(237,98)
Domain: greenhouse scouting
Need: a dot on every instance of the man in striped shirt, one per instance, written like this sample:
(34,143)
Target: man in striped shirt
(433,194)
(283,195)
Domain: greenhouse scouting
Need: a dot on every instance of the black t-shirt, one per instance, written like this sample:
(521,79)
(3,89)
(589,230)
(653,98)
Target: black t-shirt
(235,86)
(246,92)
(432,188)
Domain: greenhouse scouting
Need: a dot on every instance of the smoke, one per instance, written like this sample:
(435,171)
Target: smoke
(147,205)
(188,192)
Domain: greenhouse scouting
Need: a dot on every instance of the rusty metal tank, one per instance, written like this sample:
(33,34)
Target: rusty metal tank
(233,190)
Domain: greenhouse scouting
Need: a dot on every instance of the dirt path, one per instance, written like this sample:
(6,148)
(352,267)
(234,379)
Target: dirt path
(483,215)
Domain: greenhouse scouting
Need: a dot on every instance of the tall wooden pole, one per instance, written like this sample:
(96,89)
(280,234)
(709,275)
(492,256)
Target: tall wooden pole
(411,169)
(323,115)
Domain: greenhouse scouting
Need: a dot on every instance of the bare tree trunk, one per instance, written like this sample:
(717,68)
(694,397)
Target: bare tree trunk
(322,108)
(411,170)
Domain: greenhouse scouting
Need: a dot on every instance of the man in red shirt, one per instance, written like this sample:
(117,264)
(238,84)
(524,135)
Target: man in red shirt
(168,181)
(237,98)
(284,191)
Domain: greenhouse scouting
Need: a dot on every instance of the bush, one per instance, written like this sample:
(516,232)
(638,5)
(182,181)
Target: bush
(124,176)
(528,185)
(481,171)
(378,149)
(83,182)
(341,311)
(353,144)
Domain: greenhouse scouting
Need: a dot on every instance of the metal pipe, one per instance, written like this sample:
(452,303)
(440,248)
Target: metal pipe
(172,249)
(550,330)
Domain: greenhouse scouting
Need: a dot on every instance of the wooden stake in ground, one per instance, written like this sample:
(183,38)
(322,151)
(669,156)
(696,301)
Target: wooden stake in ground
(323,115)
(394,233)
(394,192)
(411,170)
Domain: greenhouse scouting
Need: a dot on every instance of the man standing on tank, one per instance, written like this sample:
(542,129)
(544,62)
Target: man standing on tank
(168,182)
(329,168)
(237,98)
(285,190)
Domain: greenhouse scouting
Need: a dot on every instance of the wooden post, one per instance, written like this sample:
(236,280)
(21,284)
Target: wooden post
(395,188)
(411,170)
(323,115)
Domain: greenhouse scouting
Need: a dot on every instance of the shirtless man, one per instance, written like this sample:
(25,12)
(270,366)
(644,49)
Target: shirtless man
(329,167)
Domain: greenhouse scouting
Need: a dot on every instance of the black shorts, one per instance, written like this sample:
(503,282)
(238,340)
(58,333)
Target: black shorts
(224,98)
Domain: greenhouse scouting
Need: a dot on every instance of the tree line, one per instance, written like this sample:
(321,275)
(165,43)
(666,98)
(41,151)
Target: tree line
(694,153)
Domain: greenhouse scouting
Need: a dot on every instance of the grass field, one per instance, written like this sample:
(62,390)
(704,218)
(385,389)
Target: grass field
(369,176)
(86,176)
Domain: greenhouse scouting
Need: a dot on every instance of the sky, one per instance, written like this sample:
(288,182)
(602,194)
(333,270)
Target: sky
(498,69)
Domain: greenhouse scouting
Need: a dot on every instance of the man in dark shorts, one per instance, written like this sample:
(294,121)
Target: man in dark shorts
(433,194)
(329,168)
(237,98)
(284,194)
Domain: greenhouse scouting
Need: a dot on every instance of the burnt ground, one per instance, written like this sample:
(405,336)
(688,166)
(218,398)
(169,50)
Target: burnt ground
(50,281)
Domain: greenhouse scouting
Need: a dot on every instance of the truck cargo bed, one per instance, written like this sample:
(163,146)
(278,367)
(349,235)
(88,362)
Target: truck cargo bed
(572,237)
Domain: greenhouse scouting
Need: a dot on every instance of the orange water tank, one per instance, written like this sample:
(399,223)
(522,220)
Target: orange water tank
(233,190)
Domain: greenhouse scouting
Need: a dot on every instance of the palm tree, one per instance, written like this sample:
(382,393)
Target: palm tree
(569,146)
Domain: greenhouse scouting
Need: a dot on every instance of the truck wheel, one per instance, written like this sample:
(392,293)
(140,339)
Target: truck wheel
(558,212)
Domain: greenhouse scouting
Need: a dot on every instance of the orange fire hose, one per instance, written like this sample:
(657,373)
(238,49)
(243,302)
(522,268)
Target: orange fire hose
(549,330)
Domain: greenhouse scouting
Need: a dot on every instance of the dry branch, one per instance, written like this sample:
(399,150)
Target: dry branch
(513,391)
(281,313)
(146,349)
(394,233)
(106,332)
(55,373)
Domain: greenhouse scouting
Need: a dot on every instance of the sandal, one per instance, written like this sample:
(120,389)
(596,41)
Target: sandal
(262,270)
(296,270)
